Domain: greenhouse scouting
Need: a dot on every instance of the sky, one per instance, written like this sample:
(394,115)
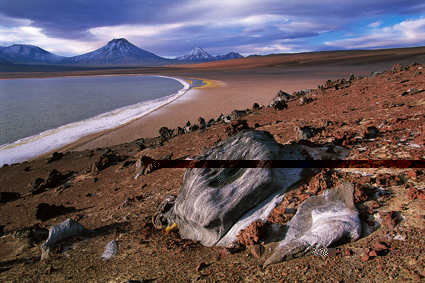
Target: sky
(170,28)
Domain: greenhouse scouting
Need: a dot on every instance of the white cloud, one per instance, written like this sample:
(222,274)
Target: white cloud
(145,31)
(406,33)
(375,24)
(34,36)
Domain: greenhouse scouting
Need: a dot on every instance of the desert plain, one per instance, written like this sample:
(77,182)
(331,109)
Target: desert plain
(378,115)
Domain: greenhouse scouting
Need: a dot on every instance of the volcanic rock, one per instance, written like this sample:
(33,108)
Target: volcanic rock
(8,196)
(279,105)
(54,179)
(104,161)
(45,211)
(320,221)
(237,126)
(160,220)
(284,95)
(55,156)
(303,133)
(34,235)
(201,122)
(165,133)
(215,204)
(237,114)
(305,100)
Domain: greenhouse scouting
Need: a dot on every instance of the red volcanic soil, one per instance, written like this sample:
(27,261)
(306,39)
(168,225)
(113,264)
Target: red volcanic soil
(380,116)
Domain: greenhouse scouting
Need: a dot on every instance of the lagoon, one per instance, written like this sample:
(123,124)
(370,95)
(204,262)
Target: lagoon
(38,115)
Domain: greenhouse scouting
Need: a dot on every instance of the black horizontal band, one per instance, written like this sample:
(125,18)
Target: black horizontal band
(286,163)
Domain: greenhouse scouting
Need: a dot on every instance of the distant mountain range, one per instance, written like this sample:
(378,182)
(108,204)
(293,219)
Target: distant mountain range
(199,54)
(115,52)
(29,54)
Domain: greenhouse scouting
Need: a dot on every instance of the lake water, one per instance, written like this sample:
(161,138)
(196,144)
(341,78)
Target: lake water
(39,115)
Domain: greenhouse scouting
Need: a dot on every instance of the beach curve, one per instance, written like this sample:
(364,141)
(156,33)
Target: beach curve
(62,137)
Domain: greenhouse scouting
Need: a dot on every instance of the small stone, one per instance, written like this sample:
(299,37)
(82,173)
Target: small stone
(200,266)
(256,251)
(412,173)
(373,253)
(364,258)
(379,246)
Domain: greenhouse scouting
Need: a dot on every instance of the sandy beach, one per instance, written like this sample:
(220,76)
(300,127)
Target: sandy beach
(229,91)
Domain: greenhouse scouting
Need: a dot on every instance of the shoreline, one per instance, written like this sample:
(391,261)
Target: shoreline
(227,89)
(11,153)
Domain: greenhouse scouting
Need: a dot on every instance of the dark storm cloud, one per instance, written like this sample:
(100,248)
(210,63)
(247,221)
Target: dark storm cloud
(73,19)
(173,27)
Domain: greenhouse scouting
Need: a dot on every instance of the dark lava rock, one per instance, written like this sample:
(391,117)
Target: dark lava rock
(55,179)
(280,105)
(55,156)
(160,220)
(34,234)
(303,133)
(201,122)
(283,95)
(371,132)
(8,196)
(165,133)
(236,127)
(105,160)
(218,202)
(45,211)
(237,114)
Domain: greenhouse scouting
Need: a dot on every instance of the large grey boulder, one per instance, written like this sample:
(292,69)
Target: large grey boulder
(320,221)
(214,204)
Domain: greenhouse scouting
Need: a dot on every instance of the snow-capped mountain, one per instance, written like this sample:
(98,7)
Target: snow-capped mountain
(197,54)
(231,55)
(120,52)
(29,54)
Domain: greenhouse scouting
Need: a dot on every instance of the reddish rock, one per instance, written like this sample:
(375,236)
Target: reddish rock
(374,204)
(360,194)
(252,234)
(373,253)
(379,246)
(414,193)
(412,173)
(303,197)
(390,220)
(365,258)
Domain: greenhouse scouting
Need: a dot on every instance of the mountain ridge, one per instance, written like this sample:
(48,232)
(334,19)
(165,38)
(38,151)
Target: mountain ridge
(29,54)
(117,52)
(200,55)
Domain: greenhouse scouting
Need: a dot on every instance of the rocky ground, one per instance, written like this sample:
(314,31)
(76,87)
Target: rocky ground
(378,117)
